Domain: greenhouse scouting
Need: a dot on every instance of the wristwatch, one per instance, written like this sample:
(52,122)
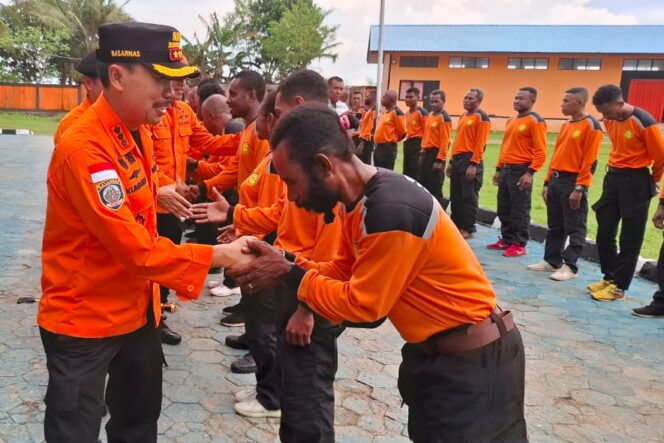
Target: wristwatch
(580,188)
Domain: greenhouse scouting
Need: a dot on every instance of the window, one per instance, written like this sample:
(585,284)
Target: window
(469,62)
(580,64)
(643,64)
(528,63)
(408,61)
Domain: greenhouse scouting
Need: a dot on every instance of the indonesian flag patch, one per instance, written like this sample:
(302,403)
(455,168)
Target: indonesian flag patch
(109,187)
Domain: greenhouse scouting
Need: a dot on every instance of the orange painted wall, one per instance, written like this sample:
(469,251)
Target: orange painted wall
(500,84)
(23,97)
(20,97)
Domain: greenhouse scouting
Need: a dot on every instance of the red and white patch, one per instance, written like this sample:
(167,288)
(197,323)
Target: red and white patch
(102,171)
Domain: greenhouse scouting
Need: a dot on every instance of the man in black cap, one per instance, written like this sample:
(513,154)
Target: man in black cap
(87,66)
(102,260)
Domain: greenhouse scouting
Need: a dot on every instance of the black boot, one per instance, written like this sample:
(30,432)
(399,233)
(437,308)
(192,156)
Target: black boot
(168,336)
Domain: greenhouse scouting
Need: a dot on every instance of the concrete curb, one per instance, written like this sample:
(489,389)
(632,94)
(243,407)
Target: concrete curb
(16,132)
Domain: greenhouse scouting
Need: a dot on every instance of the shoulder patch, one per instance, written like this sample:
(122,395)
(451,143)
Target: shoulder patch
(537,117)
(398,111)
(423,111)
(446,117)
(594,122)
(110,193)
(644,118)
(102,171)
(483,116)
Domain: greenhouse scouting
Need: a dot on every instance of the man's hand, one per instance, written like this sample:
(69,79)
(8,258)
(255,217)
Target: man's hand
(360,147)
(215,212)
(658,218)
(226,234)
(545,194)
(300,326)
(496,179)
(232,254)
(438,165)
(526,181)
(575,199)
(471,173)
(267,270)
(448,171)
(192,164)
(168,198)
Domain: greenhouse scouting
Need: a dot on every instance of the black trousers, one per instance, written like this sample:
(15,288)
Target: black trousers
(168,225)
(260,324)
(564,222)
(207,233)
(472,397)
(385,155)
(429,178)
(465,195)
(513,205)
(307,379)
(624,201)
(367,151)
(411,156)
(77,369)
(658,297)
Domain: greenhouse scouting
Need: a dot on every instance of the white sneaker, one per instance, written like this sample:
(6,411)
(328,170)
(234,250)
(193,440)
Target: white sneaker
(215,283)
(245,394)
(252,408)
(224,291)
(543,267)
(564,273)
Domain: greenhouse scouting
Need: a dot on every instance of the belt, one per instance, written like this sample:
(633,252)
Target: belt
(626,170)
(473,337)
(516,166)
(563,174)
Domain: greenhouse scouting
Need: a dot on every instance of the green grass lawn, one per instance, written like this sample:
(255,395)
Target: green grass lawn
(40,124)
(653,239)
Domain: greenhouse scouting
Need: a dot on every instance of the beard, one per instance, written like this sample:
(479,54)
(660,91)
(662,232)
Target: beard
(321,200)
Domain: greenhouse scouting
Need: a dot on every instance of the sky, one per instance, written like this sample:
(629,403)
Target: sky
(356,16)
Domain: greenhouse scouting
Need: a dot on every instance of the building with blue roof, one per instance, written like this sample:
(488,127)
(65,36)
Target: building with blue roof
(502,58)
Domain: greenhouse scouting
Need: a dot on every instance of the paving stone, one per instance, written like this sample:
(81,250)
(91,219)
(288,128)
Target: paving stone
(380,380)
(593,398)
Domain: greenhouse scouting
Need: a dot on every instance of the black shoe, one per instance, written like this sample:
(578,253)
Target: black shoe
(235,319)
(244,365)
(647,311)
(231,309)
(168,336)
(236,342)
(214,271)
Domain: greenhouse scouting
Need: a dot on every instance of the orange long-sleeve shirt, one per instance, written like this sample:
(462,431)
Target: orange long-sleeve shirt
(71,118)
(577,148)
(472,135)
(391,127)
(249,154)
(636,142)
(437,134)
(440,283)
(101,252)
(524,142)
(415,123)
(367,124)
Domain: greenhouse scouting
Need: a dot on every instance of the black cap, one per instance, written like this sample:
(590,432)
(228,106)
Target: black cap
(157,47)
(88,65)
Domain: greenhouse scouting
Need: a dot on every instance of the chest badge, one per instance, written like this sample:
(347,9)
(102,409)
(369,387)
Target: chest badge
(245,148)
(629,134)
(576,133)
(522,128)
(253,179)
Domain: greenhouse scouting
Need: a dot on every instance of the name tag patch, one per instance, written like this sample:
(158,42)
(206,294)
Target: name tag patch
(111,193)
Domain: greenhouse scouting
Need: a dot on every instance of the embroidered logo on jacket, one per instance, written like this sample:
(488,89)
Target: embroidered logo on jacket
(111,194)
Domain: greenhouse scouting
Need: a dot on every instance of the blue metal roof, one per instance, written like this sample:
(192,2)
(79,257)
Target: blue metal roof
(646,39)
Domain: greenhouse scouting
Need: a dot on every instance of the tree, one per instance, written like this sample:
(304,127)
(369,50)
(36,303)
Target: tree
(300,37)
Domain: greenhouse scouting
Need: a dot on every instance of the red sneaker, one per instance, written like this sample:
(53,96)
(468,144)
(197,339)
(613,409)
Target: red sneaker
(500,245)
(515,251)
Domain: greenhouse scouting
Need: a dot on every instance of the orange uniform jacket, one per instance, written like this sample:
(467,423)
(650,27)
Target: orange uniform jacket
(367,125)
(440,283)
(177,134)
(250,152)
(415,123)
(636,142)
(524,142)
(577,148)
(71,117)
(437,134)
(472,135)
(101,253)
(391,127)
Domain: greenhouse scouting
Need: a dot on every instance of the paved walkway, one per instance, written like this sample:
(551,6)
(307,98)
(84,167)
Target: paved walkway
(594,372)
